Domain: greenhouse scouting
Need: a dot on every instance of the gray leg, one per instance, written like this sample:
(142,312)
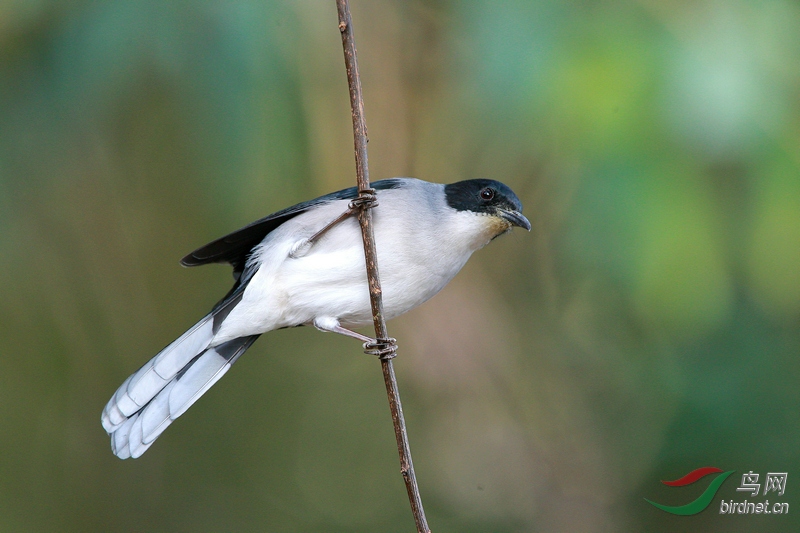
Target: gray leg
(332,325)
(359,336)
(302,246)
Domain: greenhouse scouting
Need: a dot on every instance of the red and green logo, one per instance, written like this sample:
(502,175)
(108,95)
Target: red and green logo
(703,500)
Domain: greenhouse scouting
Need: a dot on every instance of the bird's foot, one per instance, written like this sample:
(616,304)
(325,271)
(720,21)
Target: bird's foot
(366,199)
(384,349)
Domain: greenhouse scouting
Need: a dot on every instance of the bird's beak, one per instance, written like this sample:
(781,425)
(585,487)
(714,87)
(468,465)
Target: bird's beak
(515,218)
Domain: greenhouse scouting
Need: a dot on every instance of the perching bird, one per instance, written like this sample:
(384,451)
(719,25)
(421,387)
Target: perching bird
(305,266)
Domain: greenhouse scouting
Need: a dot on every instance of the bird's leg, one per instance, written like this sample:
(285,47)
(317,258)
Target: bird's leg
(383,348)
(301,247)
(331,324)
(364,198)
(349,333)
(314,238)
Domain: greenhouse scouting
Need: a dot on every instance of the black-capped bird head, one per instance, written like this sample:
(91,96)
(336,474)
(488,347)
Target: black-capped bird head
(490,198)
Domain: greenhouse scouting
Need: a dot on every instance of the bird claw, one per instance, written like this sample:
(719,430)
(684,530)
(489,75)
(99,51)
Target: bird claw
(366,199)
(384,349)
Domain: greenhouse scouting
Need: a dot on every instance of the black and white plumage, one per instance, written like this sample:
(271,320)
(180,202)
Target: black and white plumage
(424,234)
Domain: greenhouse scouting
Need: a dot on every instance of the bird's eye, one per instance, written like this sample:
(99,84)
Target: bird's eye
(487,194)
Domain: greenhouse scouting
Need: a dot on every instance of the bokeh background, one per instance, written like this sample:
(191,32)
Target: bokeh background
(647,326)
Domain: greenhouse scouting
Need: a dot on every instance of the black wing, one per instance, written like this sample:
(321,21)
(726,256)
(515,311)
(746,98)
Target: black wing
(235,247)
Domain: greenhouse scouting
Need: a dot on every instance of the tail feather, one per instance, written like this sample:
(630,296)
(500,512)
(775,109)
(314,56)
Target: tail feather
(202,373)
(166,386)
(155,417)
(112,417)
(191,343)
(145,383)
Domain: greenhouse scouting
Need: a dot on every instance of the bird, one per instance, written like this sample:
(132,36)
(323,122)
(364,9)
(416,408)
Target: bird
(304,266)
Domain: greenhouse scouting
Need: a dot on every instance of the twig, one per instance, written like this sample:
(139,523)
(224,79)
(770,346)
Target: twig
(371,256)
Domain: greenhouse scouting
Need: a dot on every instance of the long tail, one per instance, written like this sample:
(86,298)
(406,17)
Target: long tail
(166,386)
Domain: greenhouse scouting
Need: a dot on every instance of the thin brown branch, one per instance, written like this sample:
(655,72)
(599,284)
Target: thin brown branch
(371,257)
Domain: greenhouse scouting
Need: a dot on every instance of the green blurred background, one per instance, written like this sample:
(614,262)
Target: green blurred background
(647,326)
